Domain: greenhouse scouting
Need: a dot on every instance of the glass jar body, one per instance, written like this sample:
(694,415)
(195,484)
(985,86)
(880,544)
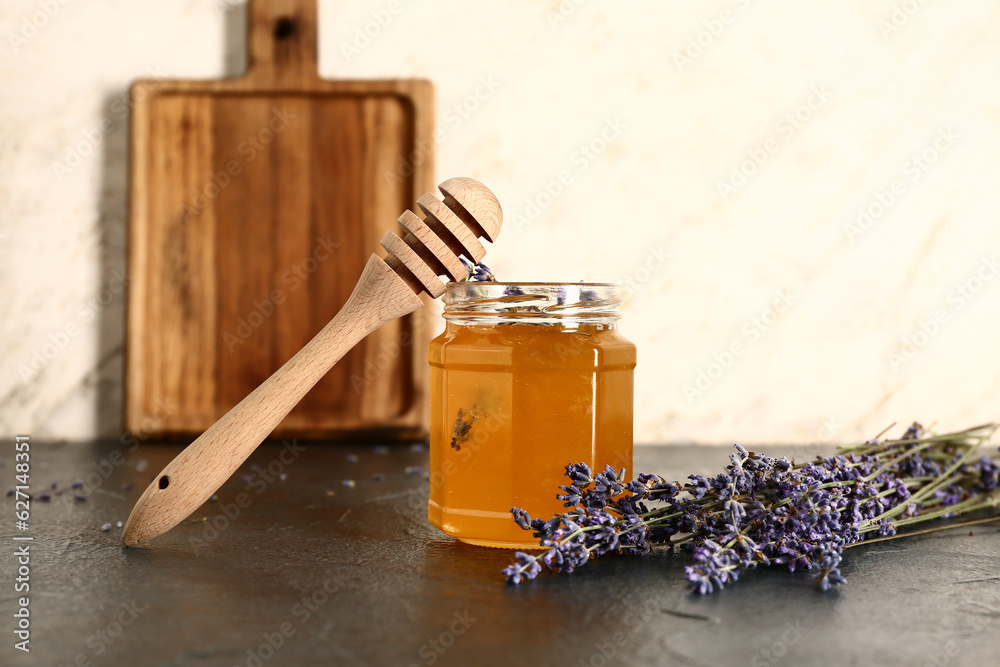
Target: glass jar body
(515,399)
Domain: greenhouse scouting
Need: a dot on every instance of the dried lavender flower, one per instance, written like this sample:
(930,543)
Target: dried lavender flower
(763,510)
(478,273)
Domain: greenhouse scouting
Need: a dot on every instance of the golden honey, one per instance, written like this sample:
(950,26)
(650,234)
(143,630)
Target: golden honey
(525,379)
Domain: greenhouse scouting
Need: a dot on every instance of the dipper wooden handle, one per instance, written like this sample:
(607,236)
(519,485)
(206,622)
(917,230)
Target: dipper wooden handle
(388,288)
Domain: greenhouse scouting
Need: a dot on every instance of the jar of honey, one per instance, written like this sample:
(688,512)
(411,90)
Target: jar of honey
(525,379)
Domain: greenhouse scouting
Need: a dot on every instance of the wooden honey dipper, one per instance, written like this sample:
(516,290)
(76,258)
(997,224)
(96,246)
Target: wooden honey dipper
(388,288)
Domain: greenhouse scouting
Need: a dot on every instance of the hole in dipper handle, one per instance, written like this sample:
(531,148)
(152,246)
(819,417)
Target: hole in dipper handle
(164,482)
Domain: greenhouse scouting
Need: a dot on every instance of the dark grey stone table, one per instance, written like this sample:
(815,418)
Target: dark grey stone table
(312,572)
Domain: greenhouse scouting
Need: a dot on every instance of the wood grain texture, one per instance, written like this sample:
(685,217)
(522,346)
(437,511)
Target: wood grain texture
(387,290)
(380,297)
(254,204)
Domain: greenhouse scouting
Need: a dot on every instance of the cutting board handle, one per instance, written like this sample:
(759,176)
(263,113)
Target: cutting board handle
(281,39)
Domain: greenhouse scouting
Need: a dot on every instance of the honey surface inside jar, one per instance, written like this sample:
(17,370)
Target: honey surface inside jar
(511,405)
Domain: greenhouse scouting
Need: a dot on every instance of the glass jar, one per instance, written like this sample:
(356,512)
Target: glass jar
(525,379)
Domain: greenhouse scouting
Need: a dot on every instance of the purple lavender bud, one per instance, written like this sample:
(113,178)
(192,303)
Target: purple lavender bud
(521,518)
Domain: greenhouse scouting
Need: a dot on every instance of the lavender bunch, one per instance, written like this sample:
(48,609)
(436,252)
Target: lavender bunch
(764,510)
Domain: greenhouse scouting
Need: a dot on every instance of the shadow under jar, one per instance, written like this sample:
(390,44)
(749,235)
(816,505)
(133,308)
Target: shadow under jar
(525,379)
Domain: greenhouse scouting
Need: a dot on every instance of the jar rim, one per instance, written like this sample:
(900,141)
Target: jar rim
(537,302)
(535,284)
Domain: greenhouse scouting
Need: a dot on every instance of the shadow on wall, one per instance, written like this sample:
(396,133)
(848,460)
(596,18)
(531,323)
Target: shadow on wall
(109,372)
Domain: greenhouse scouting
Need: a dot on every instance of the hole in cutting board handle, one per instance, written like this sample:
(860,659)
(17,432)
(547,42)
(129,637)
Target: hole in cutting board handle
(164,482)
(285,27)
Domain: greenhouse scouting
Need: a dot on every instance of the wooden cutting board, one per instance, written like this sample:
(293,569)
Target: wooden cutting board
(254,203)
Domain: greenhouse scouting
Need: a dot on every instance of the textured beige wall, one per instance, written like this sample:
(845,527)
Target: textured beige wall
(714,155)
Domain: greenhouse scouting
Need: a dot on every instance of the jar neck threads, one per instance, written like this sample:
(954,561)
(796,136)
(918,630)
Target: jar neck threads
(564,304)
